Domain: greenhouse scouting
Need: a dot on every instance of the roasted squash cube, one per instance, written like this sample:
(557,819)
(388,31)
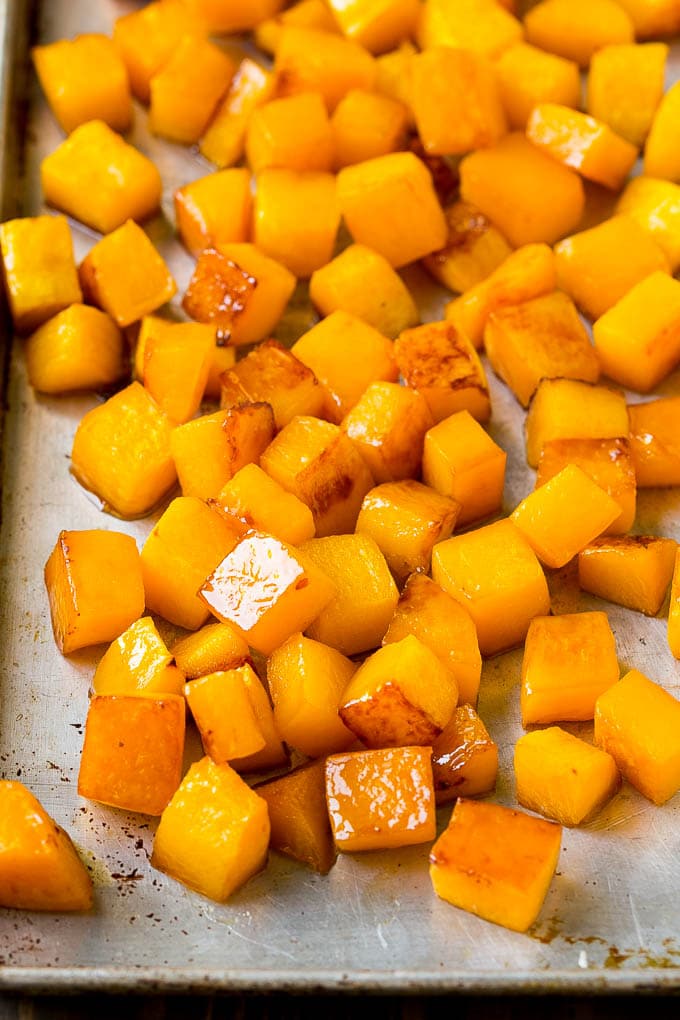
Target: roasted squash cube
(638,723)
(380,799)
(379,25)
(80,348)
(661,151)
(188,541)
(224,715)
(39,270)
(176,363)
(304,14)
(136,663)
(186,90)
(293,133)
(306,681)
(270,373)
(296,218)
(674,610)
(224,141)
(495,574)
(299,816)
(630,570)
(366,125)
(227,16)
(214,834)
(388,426)
(393,77)
(259,502)
(577,29)
(310,60)
(39,866)
(476,25)
(528,76)
(273,755)
(215,648)
(133,749)
(473,249)
(655,206)
(570,409)
(121,452)
(652,18)
(625,86)
(464,758)
(655,442)
(214,210)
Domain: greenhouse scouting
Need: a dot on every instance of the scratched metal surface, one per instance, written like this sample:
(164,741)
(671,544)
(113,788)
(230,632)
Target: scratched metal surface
(612,917)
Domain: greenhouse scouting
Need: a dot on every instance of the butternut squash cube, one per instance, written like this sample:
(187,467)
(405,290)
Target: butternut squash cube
(444,78)
(273,375)
(267,590)
(133,749)
(478,25)
(379,25)
(259,502)
(461,461)
(464,758)
(346,355)
(224,141)
(473,250)
(674,610)
(607,461)
(444,626)
(125,276)
(562,516)
(293,133)
(186,90)
(320,465)
(652,18)
(393,77)
(136,663)
(296,218)
(364,598)
(638,723)
(227,16)
(39,866)
(655,206)
(84,79)
(562,777)
(625,86)
(39,271)
(214,210)
(214,834)
(362,283)
(80,348)
(406,519)
(306,681)
(527,194)
(98,178)
(304,14)
(577,29)
(94,586)
(655,442)
(539,339)
(528,76)
(380,799)
(638,339)
(494,573)
(597,267)
(121,452)
(526,273)
(630,570)
(177,361)
(438,361)
(216,647)
(569,660)
(661,151)
(273,755)
(224,715)
(388,425)
(300,827)
(310,60)
(366,125)
(570,409)
(239,290)
(495,862)
(368,194)
(188,541)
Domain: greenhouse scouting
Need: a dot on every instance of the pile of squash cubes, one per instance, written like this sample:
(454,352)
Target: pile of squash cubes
(336,556)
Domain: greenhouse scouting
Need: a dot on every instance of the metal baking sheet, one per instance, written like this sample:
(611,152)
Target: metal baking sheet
(611,921)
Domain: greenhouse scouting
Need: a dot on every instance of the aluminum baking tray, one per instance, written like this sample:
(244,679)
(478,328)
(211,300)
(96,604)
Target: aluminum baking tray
(611,921)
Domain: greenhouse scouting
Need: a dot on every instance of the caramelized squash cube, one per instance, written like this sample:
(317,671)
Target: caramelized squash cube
(655,442)
(188,541)
(478,25)
(224,141)
(293,133)
(259,502)
(362,283)
(577,29)
(661,151)
(177,361)
(674,610)
(39,270)
(368,194)
(630,570)
(444,626)
(320,465)
(121,452)
(461,461)
(569,661)
(39,866)
(300,827)
(296,218)
(136,663)
(388,426)
(406,519)
(306,681)
(214,210)
(638,723)
(473,249)
(366,125)
(380,799)
(528,76)
(186,90)
(310,60)
(495,574)
(655,206)
(214,834)
(80,348)
(224,715)
(464,758)
(215,648)
(365,595)
(379,25)
(133,749)
(562,777)
(625,86)
(570,409)
(272,374)
(267,590)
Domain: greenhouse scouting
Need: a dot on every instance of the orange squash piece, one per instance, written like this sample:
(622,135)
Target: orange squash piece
(625,86)
(473,249)
(270,373)
(224,141)
(274,754)
(528,76)
(379,25)
(293,133)
(393,77)
(299,817)
(482,26)
(661,151)
(630,570)
(366,125)
(186,90)
(137,663)
(577,29)
(652,18)
(214,210)
(310,60)
(177,362)
(674,610)
(655,442)
(570,409)
(304,14)
(224,715)
(80,348)
(214,648)
(228,16)
(655,206)
(296,218)
(464,758)
(259,502)
(388,426)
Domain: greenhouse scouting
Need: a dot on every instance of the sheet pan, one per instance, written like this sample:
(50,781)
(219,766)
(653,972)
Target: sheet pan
(611,921)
